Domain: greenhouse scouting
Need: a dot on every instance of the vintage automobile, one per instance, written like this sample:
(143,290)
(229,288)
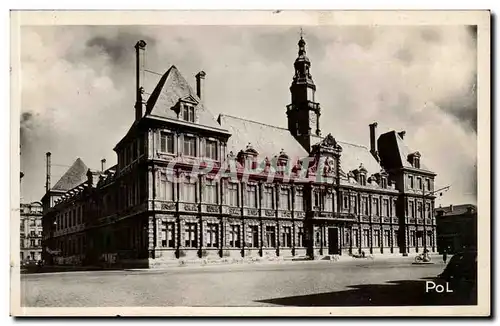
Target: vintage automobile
(461,270)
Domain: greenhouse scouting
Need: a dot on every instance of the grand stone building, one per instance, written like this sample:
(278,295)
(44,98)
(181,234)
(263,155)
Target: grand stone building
(188,185)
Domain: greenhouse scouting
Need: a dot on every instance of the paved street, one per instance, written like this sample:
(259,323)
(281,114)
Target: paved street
(318,283)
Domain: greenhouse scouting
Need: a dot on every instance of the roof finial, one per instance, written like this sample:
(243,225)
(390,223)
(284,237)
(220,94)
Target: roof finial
(301,33)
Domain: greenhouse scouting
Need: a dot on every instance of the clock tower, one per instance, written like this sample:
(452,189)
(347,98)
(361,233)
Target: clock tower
(303,113)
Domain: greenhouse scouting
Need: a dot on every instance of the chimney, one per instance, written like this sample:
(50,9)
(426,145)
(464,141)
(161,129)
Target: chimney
(140,49)
(103,164)
(200,78)
(402,134)
(451,208)
(47,180)
(373,139)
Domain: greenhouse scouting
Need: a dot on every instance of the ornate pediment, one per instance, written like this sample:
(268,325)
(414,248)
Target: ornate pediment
(327,145)
(189,99)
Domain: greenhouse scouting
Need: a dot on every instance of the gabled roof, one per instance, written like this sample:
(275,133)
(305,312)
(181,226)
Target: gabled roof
(73,177)
(352,156)
(171,88)
(267,140)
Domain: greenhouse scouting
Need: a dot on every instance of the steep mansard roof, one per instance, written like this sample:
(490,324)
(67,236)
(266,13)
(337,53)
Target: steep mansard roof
(394,151)
(267,140)
(171,88)
(74,176)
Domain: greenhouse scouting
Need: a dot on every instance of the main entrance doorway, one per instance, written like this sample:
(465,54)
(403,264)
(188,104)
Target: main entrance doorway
(333,241)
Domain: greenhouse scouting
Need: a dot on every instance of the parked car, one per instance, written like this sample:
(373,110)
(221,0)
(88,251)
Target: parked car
(461,270)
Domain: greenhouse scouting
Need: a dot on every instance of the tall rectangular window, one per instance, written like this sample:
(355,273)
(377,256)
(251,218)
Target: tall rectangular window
(376,238)
(428,210)
(268,199)
(329,202)
(412,239)
(232,189)
(191,235)
(419,183)
(365,205)
(410,183)
(346,202)
(210,191)
(355,239)
(188,113)
(385,207)
(234,236)
(428,183)
(286,237)
(354,206)
(211,149)
(166,142)
(366,238)
(254,236)
(419,209)
(270,236)
(299,200)
(285,199)
(168,235)
(376,211)
(387,238)
(189,146)
(300,235)
(251,196)
(411,209)
(213,235)
(189,192)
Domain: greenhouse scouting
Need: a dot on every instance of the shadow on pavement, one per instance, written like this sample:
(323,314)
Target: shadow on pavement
(393,293)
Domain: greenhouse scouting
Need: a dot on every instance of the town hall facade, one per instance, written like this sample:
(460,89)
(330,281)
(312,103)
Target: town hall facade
(188,185)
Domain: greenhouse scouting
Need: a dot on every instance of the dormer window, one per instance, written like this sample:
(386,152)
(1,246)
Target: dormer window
(188,112)
(414,159)
(384,183)
(362,180)
(416,162)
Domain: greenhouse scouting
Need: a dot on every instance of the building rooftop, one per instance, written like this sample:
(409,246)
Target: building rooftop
(73,177)
(454,210)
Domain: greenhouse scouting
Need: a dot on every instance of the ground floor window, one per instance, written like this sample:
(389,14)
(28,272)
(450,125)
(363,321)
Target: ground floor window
(234,236)
(287,237)
(412,239)
(366,238)
(420,238)
(430,239)
(191,235)
(300,235)
(254,236)
(355,241)
(317,238)
(271,236)
(376,238)
(168,235)
(387,238)
(213,235)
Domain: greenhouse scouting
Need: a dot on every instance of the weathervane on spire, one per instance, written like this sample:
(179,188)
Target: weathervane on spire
(301,32)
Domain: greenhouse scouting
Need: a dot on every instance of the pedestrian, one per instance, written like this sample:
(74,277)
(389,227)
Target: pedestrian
(444,256)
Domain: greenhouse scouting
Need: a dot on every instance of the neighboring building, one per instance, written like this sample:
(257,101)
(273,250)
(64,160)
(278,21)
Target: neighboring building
(31,231)
(339,198)
(456,228)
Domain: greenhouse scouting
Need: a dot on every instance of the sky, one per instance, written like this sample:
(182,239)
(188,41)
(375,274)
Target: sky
(78,88)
